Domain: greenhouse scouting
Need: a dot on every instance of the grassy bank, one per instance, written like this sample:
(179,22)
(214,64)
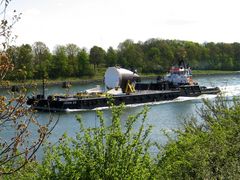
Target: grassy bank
(213,72)
(59,81)
(198,72)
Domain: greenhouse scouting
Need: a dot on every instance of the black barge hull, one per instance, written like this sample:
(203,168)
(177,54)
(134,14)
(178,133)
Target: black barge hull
(184,89)
(60,103)
(146,93)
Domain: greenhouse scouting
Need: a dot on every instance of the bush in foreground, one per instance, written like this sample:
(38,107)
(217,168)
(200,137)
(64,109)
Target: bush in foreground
(207,150)
(105,152)
(204,148)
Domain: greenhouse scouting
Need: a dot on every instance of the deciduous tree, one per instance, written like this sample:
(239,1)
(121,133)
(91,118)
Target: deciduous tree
(111,57)
(72,51)
(59,63)
(41,59)
(84,68)
(97,55)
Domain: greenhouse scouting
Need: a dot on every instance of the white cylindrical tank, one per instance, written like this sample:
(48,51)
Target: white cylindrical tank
(118,77)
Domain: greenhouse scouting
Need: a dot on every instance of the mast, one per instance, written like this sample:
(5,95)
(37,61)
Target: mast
(43,86)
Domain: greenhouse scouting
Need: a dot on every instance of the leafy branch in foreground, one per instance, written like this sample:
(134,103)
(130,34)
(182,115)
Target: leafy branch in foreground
(18,146)
(104,152)
(21,135)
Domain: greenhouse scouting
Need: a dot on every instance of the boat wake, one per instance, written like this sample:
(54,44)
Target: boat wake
(230,91)
(227,91)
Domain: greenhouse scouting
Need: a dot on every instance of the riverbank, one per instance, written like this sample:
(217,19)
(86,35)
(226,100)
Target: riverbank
(29,83)
(97,78)
(213,72)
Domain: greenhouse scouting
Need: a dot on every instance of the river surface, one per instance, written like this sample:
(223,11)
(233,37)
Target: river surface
(165,115)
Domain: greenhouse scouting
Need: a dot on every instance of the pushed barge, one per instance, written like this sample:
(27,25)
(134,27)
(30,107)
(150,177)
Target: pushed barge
(122,86)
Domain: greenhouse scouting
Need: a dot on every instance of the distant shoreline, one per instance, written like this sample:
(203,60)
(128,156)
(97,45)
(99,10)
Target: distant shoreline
(213,72)
(97,79)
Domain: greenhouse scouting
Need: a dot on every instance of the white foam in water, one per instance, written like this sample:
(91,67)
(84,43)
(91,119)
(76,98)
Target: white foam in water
(233,90)
(83,110)
(198,98)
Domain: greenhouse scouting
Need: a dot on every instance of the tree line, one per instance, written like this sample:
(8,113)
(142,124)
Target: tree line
(151,56)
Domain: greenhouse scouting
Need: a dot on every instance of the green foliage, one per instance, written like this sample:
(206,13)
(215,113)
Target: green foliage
(28,172)
(130,55)
(207,150)
(152,56)
(105,152)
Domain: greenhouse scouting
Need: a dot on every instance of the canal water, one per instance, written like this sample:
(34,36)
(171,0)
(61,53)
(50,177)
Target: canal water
(165,115)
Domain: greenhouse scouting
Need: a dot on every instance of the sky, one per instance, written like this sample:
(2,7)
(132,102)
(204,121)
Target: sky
(106,23)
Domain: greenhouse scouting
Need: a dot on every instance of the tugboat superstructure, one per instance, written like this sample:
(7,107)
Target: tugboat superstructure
(180,75)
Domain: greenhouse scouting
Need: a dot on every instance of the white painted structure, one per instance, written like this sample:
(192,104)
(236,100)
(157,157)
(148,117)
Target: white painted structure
(179,75)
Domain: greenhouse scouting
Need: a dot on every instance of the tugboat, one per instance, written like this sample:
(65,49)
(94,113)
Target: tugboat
(179,78)
(122,86)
